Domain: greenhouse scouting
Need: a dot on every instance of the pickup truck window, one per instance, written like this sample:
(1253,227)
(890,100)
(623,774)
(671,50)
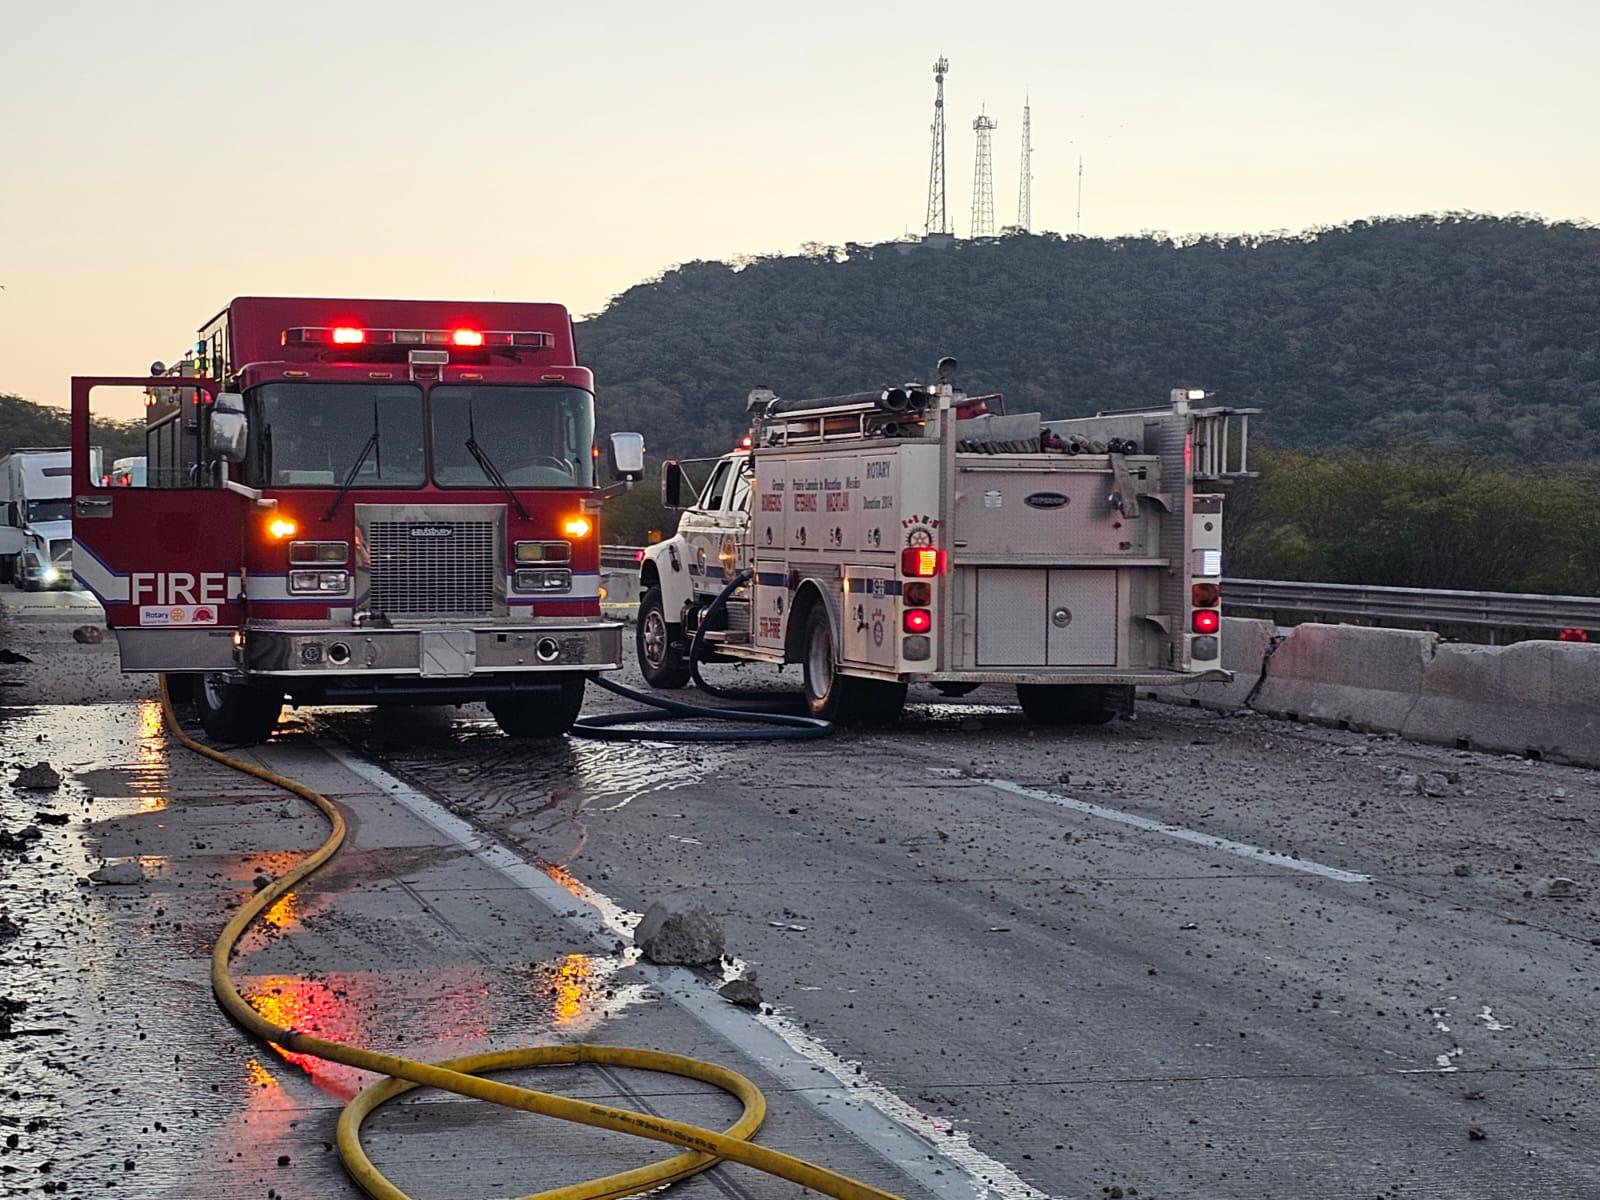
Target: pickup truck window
(711,498)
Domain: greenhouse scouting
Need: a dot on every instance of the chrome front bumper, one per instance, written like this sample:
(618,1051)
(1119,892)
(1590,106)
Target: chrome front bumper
(437,652)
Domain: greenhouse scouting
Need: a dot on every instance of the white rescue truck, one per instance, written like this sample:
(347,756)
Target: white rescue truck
(921,535)
(36,517)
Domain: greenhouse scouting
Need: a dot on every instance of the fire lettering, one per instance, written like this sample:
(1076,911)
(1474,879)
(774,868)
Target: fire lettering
(178,587)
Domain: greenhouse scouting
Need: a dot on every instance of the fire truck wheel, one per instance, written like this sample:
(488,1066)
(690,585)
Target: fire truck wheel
(843,698)
(1065,704)
(660,661)
(241,713)
(546,713)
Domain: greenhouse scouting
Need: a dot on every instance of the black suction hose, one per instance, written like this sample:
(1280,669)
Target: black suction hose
(778,727)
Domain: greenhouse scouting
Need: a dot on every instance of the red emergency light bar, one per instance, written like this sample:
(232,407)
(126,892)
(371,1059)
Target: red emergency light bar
(471,339)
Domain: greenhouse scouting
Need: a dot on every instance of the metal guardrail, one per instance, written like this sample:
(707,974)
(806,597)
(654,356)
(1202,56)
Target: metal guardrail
(1421,606)
(620,556)
(1417,606)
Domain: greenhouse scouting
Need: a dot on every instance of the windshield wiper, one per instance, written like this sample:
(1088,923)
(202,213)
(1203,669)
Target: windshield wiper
(486,464)
(355,467)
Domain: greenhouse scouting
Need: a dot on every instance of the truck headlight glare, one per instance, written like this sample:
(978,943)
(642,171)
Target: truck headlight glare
(543,581)
(315,582)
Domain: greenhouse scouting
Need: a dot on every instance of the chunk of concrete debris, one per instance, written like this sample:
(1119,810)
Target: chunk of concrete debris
(119,873)
(742,992)
(41,777)
(9,929)
(11,656)
(1435,783)
(1560,888)
(88,635)
(689,937)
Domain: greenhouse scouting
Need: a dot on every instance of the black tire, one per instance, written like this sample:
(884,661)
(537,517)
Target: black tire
(547,713)
(239,713)
(181,686)
(24,584)
(7,569)
(656,641)
(843,698)
(1066,704)
(953,690)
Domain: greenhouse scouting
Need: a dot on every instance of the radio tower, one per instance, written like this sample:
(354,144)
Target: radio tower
(983,179)
(1025,187)
(937,221)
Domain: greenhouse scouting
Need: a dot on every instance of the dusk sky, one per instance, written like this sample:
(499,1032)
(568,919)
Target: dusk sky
(161,158)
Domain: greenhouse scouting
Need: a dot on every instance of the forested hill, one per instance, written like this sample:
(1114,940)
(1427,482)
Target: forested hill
(1475,331)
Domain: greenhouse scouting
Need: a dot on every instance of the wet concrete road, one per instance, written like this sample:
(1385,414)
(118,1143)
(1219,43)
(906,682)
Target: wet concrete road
(1191,955)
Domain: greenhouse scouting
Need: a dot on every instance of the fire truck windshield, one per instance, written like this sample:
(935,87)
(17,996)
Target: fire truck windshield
(311,435)
(536,436)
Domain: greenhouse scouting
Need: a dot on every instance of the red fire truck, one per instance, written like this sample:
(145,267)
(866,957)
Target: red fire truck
(360,502)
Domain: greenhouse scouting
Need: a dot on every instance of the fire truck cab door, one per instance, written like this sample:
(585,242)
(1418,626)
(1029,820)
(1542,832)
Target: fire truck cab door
(713,533)
(164,562)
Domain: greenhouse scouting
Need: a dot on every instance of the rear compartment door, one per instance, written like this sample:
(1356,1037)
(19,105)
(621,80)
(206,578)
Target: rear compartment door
(164,562)
(1033,617)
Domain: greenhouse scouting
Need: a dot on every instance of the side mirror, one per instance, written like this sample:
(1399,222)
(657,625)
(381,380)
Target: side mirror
(627,457)
(671,484)
(229,428)
(10,514)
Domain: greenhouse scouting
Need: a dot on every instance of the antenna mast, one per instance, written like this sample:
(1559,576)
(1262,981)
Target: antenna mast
(1025,187)
(1080,194)
(983,179)
(937,221)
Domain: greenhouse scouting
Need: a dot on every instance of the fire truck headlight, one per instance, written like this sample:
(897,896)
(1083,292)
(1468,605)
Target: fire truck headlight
(302,582)
(336,553)
(543,581)
(542,552)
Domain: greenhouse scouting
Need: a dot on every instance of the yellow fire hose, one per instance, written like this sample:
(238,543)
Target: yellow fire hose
(463,1076)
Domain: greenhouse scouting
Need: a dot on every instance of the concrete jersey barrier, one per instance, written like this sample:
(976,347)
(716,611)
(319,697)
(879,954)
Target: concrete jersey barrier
(1533,698)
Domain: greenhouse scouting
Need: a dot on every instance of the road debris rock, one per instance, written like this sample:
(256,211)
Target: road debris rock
(117,874)
(20,839)
(1560,888)
(88,635)
(688,937)
(9,929)
(742,992)
(11,656)
(41,777)
(51,818)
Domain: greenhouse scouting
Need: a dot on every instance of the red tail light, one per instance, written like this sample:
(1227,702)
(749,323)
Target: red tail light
(921,562)
(348,335)
(466,337)
(917,620)
(1206,620)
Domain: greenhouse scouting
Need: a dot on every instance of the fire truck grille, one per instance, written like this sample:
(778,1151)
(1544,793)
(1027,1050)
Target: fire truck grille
(433,568)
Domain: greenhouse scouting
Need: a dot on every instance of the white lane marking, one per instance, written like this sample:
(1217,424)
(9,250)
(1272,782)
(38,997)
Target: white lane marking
(1175,831)
(941,1160)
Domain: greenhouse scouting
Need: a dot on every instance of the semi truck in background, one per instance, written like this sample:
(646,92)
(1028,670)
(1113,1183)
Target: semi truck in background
(919,535)
(36,532)
(358,502)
